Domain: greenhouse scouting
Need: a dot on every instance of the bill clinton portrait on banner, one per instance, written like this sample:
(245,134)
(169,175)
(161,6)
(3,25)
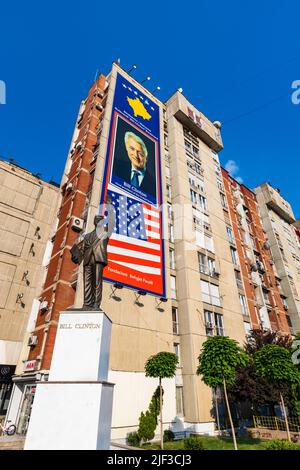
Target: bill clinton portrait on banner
(133,162)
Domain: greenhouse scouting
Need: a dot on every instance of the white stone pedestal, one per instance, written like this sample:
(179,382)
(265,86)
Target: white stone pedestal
(73,409)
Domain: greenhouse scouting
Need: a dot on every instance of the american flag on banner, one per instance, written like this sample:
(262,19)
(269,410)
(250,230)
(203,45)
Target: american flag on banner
(135,245)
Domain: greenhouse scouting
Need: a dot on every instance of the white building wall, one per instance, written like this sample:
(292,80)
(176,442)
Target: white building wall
(132,394)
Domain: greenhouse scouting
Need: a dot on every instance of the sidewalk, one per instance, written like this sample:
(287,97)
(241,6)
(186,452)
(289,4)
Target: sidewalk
(12,442)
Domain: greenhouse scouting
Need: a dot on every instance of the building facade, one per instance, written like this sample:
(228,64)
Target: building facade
(27,210)
(203,296)
(278,221)
(256,278)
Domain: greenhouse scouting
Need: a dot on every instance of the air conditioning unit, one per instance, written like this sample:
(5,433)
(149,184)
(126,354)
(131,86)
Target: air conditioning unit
(69,187)
(79,145)
(44,305)
(215,272)
(99,107)
(77,224)
(285,307)
(32,340)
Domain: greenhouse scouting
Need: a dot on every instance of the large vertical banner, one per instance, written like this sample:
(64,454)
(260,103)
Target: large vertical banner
(132,184)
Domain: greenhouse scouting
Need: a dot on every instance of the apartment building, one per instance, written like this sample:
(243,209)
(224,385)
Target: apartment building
(188,288)
(278,221)
(27,210)
(256,279)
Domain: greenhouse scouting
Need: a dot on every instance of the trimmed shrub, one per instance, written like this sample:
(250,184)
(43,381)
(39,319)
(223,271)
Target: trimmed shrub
(147,426)
(193,443)
(133,439)
(148,420)
(281,444)
(168,435)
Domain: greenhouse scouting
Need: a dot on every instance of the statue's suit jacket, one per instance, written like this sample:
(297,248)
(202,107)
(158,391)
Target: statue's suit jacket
(92,244)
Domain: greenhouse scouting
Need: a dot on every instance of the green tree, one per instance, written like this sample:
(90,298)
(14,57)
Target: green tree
(259,338)
(256,390)
(218,361)
(274,363)
(162,365)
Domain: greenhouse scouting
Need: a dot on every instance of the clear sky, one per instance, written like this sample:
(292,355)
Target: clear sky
(234,60)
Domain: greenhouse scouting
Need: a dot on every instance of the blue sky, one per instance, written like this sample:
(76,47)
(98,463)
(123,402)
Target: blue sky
(234,60)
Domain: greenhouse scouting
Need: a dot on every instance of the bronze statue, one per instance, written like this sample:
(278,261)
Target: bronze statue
(92,250)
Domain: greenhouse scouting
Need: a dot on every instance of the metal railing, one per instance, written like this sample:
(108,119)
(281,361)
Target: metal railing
(276,423)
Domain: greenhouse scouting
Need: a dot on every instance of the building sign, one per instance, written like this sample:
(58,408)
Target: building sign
(30,365)
(194,117)
(132,184)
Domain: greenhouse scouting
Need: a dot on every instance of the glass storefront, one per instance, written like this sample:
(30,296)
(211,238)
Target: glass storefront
(25,411)
(6,373)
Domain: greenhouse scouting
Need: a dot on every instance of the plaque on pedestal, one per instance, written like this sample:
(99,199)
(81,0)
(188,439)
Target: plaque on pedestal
(73,409)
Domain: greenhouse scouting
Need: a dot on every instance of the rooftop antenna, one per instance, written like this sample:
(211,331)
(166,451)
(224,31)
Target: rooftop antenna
(146,80)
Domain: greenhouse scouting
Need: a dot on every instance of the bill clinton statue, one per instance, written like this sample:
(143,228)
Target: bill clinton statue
(92,250)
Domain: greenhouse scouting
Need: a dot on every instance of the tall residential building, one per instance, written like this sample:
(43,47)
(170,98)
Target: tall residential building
(278,221)
(167,289)
(256,280)
(28,208)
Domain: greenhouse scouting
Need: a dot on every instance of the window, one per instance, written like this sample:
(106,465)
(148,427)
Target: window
(170,211)
(196,182)
(172,259)
(266,297)
(202,263)
(187,146)
(195,151)
(247,327)
(210,293)
(253,242)
(234,256)
(238,279)
(230,234)
(175,321)
(179,401)
(285,305)
(243,304)
(211,265)
(223,200)
(173,286)
(203,202)
(220,185)
(171,233)
(198,168)
(177,352)
(207,265)
(194,198)
(213,323)
(169,191)
(217,170)
(209,323)
(219,324)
